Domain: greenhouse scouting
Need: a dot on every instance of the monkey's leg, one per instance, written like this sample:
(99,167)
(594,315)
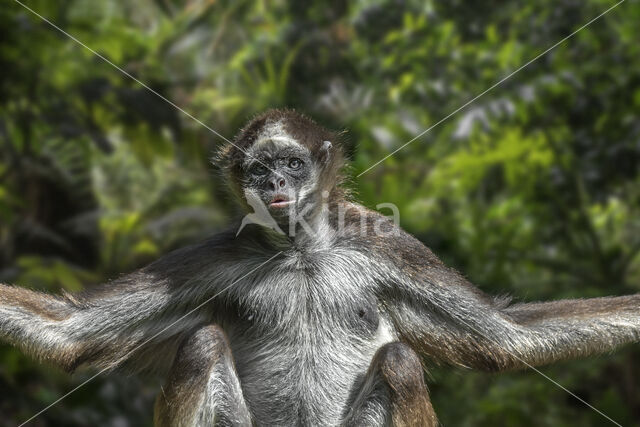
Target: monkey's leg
(394,391)
(202,388)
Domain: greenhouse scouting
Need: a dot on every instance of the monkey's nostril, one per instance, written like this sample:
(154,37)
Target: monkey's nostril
(281,182)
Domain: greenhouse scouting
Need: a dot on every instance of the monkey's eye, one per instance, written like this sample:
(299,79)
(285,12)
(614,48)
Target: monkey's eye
(295,163)
(259,169)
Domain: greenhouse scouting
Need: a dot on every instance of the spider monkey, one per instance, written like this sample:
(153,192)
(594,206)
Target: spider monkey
(332,330)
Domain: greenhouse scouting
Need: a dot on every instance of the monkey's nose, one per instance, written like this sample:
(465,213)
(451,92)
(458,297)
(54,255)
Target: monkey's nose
(277,183)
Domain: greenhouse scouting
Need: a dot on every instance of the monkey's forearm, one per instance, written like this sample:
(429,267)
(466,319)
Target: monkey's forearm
(32,321)
(105,331)
(480,336)
(573,328)
(135,322)
(536,313)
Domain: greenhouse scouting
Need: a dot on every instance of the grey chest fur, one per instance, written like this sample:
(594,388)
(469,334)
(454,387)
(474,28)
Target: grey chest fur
(304,337)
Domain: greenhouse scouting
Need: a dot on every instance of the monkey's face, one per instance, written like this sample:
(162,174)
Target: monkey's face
(283,167)
(281,173)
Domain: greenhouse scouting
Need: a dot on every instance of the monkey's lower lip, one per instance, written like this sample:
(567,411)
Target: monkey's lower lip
(280,203)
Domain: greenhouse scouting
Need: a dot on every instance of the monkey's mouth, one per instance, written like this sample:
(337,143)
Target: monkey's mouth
(280,202)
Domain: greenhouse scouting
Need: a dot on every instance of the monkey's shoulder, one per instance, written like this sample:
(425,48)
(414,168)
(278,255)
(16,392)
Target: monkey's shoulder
(395,255)
(213,253)
(384,239)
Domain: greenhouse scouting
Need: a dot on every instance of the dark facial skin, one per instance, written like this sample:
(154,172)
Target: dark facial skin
(277,174)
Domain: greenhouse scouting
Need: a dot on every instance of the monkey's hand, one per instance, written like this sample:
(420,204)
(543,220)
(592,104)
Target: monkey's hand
(444,317)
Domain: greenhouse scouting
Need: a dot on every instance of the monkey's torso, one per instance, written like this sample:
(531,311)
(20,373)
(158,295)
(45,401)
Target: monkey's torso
(306,329)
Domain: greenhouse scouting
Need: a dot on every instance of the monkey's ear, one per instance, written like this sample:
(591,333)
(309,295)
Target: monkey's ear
(325,154)
(224,158)
(220,159)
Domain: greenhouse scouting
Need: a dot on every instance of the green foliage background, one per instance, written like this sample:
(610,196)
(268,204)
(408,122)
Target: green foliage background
(534,189)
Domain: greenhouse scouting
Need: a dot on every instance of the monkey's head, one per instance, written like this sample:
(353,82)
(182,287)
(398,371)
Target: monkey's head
(287,161)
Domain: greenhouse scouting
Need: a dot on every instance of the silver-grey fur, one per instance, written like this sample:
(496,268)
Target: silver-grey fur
(330,332)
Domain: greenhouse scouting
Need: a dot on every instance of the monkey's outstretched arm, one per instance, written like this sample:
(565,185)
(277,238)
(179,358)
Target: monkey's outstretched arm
(135,322)
(445,317)
(107,330)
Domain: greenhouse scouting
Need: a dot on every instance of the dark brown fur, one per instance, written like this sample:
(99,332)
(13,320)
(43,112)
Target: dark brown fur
(205,351)
(142,320)
(402,371)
